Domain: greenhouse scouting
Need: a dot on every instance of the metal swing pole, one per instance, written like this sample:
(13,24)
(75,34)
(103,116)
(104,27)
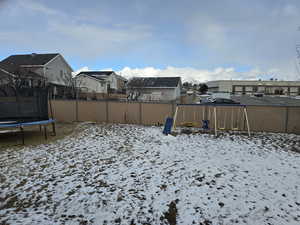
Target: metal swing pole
(247,121)
(175,118)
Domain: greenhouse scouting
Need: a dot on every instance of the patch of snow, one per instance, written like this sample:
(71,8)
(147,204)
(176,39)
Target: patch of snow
(126,174)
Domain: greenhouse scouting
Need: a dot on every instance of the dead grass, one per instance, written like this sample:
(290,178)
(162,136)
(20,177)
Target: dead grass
(33,135)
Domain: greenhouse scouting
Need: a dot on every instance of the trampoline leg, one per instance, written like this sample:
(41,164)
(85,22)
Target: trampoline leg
(40,128)
(53,129)
(22,133)
(45,132)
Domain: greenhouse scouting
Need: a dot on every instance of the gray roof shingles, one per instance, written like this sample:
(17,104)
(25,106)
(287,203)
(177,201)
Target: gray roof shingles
(150,82)
(99,75)
(13,62)
(96,73)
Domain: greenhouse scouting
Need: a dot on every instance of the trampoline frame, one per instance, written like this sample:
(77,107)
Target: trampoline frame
(21,125)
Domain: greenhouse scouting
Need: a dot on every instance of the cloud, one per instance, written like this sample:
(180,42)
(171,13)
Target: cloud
(85,68)
(2,2)
(91,41)
(38,7)
(198,75)
(259,34)
(201,34)
(58,31)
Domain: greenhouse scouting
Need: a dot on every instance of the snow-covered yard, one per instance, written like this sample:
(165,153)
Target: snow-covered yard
(125,174)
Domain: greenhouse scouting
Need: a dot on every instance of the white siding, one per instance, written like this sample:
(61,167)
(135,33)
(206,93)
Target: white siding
(166,94)
(177,92)
(112,79)
(90,84)
(58,72)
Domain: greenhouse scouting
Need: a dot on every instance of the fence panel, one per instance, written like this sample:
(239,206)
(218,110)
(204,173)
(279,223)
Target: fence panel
(91,111)
(133,112)
(117,112)
(64,111)
(261,118)
(293,125)
(155,113)
(190,114)
(267,118)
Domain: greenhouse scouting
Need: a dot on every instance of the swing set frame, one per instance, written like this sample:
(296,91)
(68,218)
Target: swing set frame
(212,114)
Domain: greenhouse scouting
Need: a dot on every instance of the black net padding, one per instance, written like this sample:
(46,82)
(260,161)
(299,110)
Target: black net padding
(24,104)
(7,91)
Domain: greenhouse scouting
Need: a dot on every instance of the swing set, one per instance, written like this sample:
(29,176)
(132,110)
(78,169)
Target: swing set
(215,117)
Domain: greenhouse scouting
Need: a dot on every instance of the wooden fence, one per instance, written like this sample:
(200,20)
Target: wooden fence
(285,119)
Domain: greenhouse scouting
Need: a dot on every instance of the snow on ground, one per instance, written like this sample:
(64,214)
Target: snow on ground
(126,174)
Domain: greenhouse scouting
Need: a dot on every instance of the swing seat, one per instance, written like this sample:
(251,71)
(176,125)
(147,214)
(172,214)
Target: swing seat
(205,124)
(235,128)
(221,128)
(188,124)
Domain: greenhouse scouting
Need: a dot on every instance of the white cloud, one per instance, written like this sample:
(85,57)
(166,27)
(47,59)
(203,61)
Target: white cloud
(38,7)
(69,34)
(92,41)
(198,75)
(85,68)
(192,74)
(259,34)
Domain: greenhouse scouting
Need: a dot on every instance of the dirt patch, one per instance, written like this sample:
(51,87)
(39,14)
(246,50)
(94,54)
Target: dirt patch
(33,135)
(171,214)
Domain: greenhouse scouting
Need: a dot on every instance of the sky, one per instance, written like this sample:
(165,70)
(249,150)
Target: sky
(198,40)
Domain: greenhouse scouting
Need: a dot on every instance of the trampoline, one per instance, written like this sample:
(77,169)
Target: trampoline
(21,107)
(21,125)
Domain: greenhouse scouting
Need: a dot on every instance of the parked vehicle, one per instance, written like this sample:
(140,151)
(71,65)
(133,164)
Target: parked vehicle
(258,94)
(220,101)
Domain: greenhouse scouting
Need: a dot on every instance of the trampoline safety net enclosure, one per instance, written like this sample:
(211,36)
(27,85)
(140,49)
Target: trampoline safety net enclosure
(23,104)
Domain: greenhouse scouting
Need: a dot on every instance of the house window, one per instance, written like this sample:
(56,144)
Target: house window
(244,90)
(255,88)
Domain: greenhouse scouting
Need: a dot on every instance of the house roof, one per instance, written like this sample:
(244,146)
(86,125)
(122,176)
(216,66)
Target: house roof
(92,75)
(150,82)
(13,62)
(100,75)
(97,73)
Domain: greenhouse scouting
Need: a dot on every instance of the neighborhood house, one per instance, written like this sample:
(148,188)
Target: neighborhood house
(100,82)
(52,69)
(154,88)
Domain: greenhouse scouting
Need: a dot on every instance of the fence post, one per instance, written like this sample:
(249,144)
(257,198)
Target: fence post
(76,109)
(140,113)
(106,108)
(286,118)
